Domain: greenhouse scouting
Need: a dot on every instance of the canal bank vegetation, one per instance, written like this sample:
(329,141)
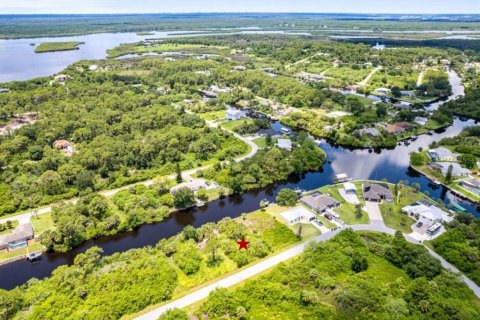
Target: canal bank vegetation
(460,245)
(113,286)
(367,275)
(465,150)
(57,46)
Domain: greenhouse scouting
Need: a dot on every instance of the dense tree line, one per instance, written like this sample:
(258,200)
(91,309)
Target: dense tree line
(268,166)
(119,132)
(460,245)
(109,287)
(332,280)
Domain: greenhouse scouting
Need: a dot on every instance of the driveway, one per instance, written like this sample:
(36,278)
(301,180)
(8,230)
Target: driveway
(350,198)
(373,211)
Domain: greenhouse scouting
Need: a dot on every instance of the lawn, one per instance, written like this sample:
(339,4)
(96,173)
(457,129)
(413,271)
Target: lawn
(57,46)
(391,211)
(7,231)
(346,210)
(42,223)
(233,125)
(261,142)
(214,115)
(4,255)
(308,231)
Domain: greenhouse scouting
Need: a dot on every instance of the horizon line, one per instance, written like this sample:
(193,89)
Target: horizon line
(240,12)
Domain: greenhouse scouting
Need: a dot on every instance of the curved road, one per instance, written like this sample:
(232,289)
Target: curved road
(264,265)
(25,217)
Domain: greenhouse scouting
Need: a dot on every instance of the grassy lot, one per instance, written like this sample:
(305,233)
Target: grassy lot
(232,125)
(7,231)
(42,223)
(262,142)
(214,115)
(391,212)
(308,231)
(57,46)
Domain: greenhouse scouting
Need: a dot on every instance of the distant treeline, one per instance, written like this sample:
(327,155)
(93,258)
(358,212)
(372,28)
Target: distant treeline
(461,44)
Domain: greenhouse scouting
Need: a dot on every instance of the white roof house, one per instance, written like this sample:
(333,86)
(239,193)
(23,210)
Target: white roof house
(296,215)
(421,121)
(442,154)
(192,185)
(233,114)
(350,187)
(427,213)
(284,144)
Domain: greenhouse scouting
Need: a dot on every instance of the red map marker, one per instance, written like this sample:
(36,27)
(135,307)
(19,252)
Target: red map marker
(243,244)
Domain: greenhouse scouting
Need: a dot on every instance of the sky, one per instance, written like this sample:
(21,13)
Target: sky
(182,6)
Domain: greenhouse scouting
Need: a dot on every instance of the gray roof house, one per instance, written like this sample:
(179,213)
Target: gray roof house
(472,185)
(376,192)
(369,132)
(319,202)
(18,238)
(457,169)
(442,154)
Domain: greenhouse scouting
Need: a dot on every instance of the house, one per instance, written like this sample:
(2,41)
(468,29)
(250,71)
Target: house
(319,202)
(421,121)
(296,215)
(376,192)
(4,90)
(93,67)
(381,91)
(442,154)
(397,128)
(472,185)
(407,93)
(240,68)
(18,239)
(426,212)
(233,113)
(457,169)
(64,146)
(193,185)
(310,76)
(403,105)
(369,132)
(379,46)
(350,188)
(284,144)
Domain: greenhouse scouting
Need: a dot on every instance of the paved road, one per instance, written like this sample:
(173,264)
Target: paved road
(260,267)
(25,217)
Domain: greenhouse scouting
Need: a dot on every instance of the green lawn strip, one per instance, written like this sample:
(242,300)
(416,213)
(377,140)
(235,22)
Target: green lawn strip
(7,231)
(4,255)
(57,46)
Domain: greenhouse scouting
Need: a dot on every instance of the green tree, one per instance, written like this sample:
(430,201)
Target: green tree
(178,173)
(183,197)
(287,197)
(174,314)
(468,160)
(359,263)
(449,175)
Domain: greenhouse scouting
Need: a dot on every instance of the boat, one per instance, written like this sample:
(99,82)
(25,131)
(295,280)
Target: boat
(33,256)
(285,130)
(436,181)
(459,207)
(299,191)
(342,177)
(32,44)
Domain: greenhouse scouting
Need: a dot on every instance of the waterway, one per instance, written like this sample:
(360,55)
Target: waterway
(392,165)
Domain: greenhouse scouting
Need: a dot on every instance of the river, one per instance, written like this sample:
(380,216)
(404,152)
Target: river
(358,164)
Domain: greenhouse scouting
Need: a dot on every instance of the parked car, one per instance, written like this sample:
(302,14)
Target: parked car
(419,225)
